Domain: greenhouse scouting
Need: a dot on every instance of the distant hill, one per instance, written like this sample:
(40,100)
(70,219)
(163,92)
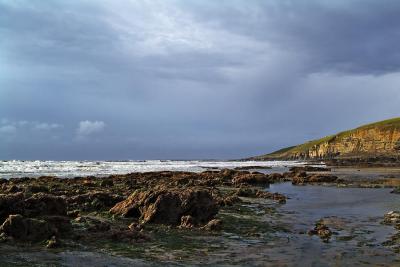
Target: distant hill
(375,140)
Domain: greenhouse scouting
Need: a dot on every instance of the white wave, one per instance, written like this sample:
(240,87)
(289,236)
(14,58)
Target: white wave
(17,168)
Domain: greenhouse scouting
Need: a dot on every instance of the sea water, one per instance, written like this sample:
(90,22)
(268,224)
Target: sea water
(68,169)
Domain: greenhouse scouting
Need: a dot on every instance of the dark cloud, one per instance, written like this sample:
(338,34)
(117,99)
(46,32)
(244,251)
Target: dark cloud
(191,79)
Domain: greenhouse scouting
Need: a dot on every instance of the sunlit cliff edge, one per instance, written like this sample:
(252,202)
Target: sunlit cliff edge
(375,140)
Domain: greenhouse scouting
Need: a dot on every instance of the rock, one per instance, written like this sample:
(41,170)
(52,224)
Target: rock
(187,222)
(213,225)
(26,229)
(32,189)
(61,223)
(10,204)
(166,209)
(229,200)
(95,200)
(130,207)
(93,224)
(251,178)
(135,226)
(168,206)
(126,235)
(321,230)
(45,204)
(275,177)
(280,198)
(246,192)
(315,178)
(392,218)
(395,190)
(52,243)
(106,182)
(254,193)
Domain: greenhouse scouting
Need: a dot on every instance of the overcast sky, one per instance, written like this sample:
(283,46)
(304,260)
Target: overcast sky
(153,79)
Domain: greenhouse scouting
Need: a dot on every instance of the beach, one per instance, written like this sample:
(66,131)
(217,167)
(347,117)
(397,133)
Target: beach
(252,214)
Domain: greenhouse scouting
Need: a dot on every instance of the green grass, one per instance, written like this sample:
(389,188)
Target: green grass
(390,124)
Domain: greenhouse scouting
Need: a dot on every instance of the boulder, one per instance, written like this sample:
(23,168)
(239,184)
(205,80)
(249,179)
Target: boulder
(41,204)
(26,229)
(10,204)
(251,178)
(130,207)
(166,209)
(168,206)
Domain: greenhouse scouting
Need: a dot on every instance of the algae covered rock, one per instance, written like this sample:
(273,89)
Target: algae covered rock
(251,178)
(10,204)
(45,204)
(26,229)
(168,206)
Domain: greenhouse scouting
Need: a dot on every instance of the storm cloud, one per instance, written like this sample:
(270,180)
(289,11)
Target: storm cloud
(191,79)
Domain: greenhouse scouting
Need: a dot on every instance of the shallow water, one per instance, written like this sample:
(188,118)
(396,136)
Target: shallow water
(355,214)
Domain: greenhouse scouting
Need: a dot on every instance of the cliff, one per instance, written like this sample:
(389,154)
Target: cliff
(376,140)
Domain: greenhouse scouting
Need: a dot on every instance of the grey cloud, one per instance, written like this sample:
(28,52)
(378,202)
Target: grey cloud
(190,79)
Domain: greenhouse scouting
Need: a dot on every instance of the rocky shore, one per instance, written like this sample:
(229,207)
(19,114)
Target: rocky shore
(142,208)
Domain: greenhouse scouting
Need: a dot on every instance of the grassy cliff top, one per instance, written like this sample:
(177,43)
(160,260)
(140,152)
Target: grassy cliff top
(386,125)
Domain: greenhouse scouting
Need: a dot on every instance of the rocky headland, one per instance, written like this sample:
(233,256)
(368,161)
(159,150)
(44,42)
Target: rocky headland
(375,144)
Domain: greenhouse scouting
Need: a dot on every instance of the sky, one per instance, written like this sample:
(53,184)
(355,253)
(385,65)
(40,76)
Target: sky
(191,79)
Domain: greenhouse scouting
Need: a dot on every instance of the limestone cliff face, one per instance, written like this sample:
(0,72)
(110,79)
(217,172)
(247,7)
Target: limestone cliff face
(373,141)
(380,139)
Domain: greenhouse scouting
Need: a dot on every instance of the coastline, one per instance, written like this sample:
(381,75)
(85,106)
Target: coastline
(129,217)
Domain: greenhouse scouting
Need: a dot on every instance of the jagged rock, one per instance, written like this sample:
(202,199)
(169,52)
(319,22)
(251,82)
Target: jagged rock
(187,222)
(45,204)
(168,206)
(130,207)
(26,229)
(251,178)
(213,225)
(10,204)
(166,209)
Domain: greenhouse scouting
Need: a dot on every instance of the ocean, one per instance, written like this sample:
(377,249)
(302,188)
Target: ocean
(69,169)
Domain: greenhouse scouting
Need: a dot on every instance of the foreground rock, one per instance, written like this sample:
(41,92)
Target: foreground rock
(53,211)
(27,229)
(168,207)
